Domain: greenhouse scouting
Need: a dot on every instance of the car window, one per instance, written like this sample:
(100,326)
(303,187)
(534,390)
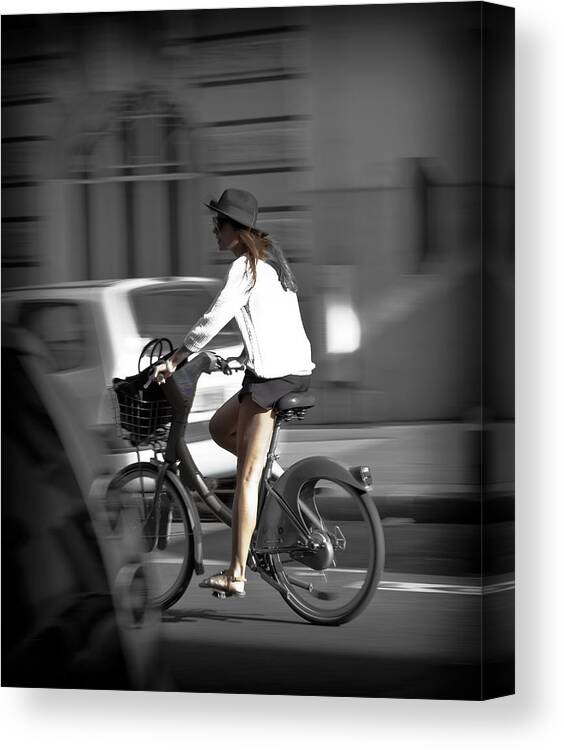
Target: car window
(60,326)
(170,312)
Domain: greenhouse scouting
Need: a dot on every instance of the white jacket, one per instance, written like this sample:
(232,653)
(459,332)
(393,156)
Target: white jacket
(269,318)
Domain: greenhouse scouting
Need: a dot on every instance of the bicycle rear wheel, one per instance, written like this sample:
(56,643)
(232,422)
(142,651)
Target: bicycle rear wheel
(333,583)
(163,525)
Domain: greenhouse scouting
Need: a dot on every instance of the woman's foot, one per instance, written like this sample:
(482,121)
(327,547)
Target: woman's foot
(224,584)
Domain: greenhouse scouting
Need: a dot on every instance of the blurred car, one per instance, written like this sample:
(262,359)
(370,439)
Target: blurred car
(75,592)
(95,331)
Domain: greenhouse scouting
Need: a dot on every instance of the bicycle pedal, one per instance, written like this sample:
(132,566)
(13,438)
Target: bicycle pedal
(219,594)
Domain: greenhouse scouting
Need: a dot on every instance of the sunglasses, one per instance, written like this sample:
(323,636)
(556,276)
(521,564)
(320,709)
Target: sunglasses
(219,223)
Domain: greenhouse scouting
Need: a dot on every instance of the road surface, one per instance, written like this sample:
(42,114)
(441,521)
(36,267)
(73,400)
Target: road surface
(421,636)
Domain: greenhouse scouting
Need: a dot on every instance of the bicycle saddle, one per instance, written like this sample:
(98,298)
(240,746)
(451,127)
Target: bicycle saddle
(295,401)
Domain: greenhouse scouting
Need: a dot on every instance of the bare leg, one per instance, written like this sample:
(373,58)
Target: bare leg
(223,429)
(254,431)
(223,425)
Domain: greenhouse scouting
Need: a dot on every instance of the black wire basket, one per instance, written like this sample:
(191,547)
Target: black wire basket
(140,421)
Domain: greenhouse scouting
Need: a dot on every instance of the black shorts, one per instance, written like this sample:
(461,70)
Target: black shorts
(266,391)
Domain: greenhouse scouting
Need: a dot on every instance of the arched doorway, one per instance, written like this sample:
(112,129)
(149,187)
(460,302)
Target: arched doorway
(130,171)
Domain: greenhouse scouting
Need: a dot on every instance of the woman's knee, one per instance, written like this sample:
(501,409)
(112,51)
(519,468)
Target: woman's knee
(223,424)
(221,435)
(254,431)
(216,427)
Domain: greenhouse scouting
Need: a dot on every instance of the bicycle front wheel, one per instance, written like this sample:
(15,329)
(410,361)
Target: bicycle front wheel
(335,582)
(163,525)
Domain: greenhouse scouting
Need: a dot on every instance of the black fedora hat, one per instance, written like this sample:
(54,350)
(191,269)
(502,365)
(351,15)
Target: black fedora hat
(239,205)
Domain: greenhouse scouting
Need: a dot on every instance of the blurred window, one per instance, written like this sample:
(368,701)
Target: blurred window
(61,327)
(132,174)
(170,312)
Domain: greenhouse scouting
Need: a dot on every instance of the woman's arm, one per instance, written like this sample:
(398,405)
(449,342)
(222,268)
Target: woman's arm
(231,298)
(165,370)
(179,356)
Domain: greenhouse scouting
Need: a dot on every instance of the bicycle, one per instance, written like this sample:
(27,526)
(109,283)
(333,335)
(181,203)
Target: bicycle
(318,540)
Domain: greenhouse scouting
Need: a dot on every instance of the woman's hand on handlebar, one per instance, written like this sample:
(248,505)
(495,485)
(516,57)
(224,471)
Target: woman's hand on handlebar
(234,364)
(227,366)
(163,371)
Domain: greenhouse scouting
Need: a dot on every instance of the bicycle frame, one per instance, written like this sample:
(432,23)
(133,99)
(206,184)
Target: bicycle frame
(284,490)
(267,486)
(176,448)
(185,379)
(291,526)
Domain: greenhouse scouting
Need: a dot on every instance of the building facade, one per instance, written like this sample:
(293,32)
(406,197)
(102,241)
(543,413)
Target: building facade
(360,130)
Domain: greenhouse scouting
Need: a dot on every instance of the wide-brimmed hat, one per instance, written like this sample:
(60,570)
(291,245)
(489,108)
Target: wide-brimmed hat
(239,205)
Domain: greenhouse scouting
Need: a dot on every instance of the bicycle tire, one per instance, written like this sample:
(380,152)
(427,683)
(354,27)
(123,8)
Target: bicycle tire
(319,606)
(130,499)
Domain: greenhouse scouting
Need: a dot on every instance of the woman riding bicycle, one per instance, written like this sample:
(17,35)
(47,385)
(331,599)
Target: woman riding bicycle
(260,292)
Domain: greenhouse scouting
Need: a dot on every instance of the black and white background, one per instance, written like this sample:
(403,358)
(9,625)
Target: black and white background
(539,321)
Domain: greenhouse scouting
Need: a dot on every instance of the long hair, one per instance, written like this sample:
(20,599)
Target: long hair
(260,246)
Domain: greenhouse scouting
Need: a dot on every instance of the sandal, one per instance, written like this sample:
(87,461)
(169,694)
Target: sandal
(220,583)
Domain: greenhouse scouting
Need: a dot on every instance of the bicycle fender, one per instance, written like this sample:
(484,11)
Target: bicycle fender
(194,517)
(295,476)
(274,523)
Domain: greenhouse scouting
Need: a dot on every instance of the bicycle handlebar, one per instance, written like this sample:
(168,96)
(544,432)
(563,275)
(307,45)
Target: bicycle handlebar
(216,363)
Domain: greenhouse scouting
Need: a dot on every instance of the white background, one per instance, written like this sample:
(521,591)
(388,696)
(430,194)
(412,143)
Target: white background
(68,719)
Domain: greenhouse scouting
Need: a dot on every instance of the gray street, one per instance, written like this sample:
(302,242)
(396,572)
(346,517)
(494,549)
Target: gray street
(420,636)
